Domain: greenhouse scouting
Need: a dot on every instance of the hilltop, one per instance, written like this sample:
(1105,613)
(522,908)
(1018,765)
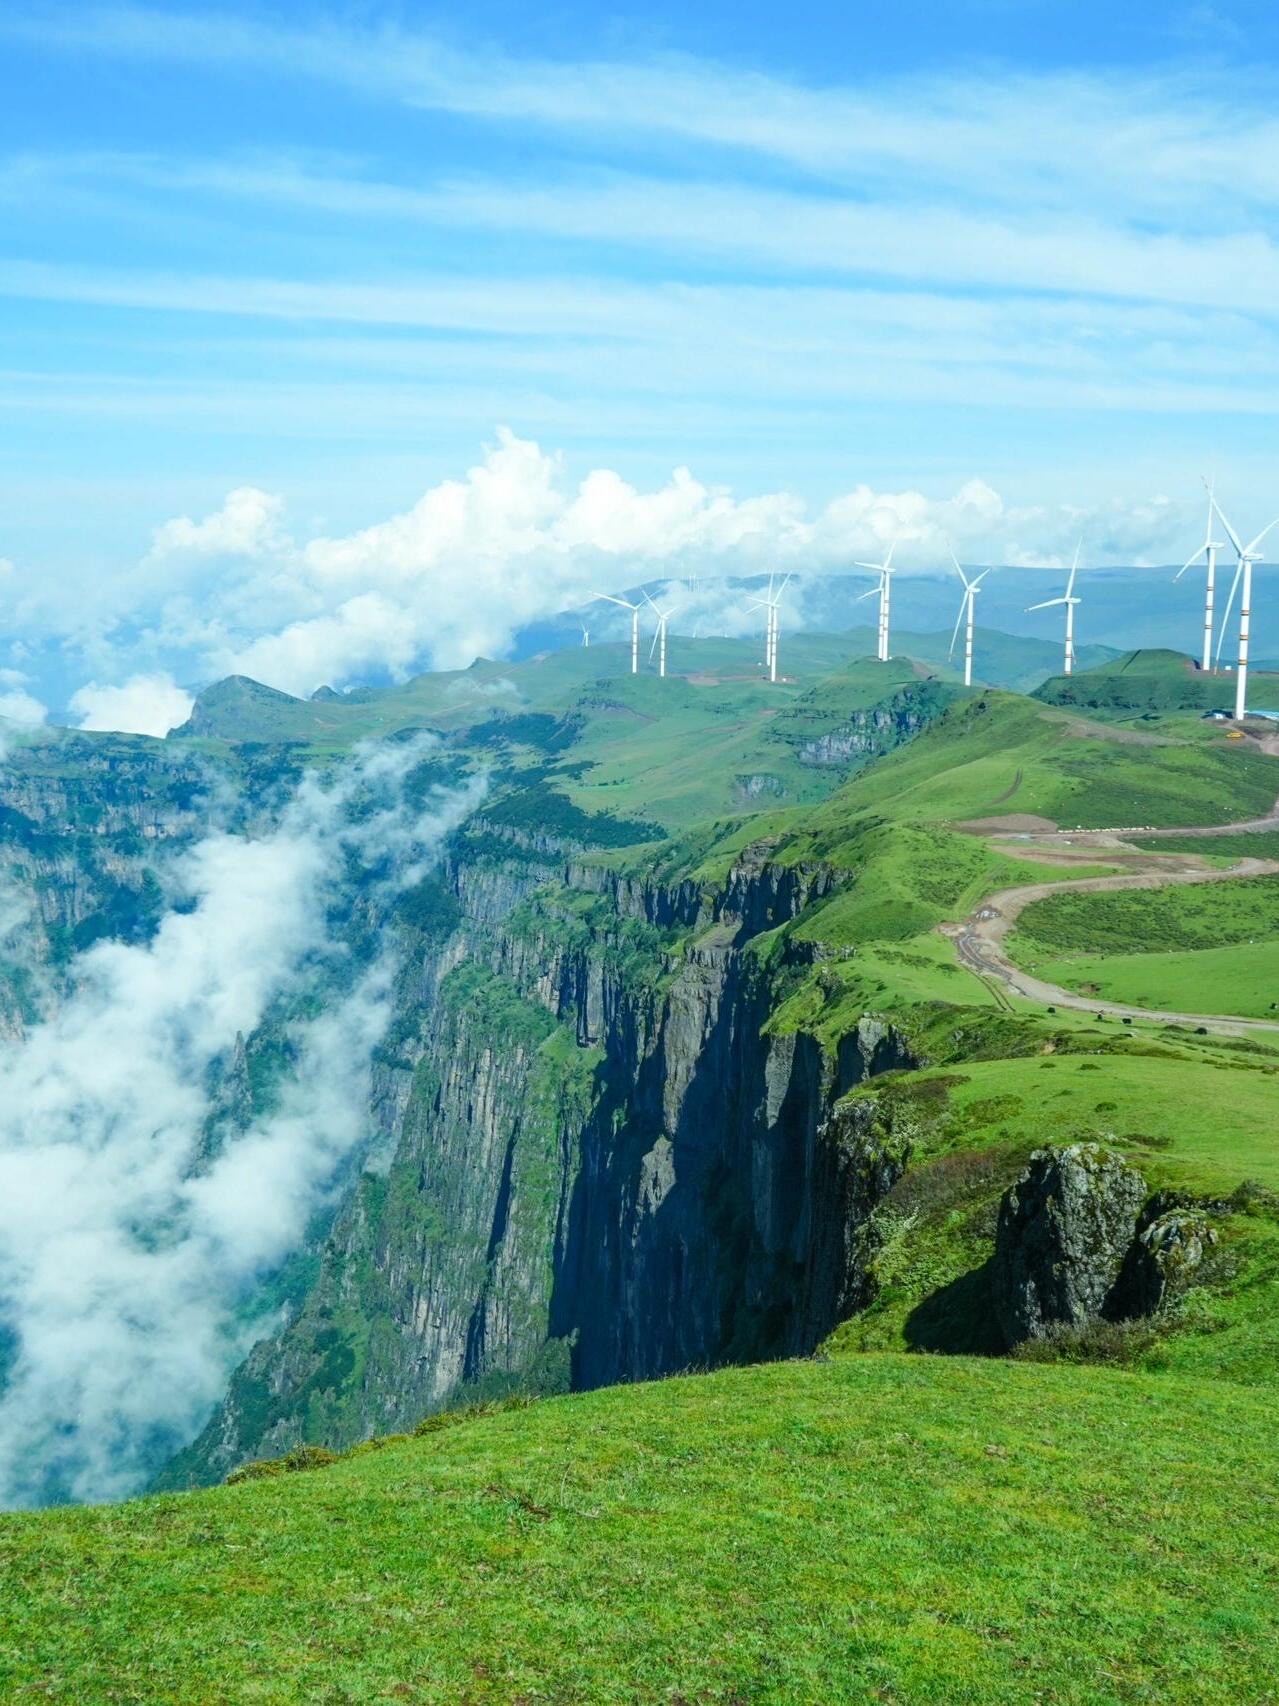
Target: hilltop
(1151,682)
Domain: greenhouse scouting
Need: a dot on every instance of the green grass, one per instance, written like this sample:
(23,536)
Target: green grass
(998,755)
(1146,682)
(1242,979)
(1193,1117)
(1191,915)
(1204,948)
(880,1528)
(1212,1113)
(1255,844)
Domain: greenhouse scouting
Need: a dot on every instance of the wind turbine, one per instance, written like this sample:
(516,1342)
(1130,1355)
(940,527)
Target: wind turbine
(770,602)
(966,609)
(885,572)
(659,638)
(1247,555)
(634,610)
(1070,601)
(1208,550)
(586,635)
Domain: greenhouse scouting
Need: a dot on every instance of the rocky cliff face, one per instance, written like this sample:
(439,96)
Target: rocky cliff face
(82,822)
(604,1163)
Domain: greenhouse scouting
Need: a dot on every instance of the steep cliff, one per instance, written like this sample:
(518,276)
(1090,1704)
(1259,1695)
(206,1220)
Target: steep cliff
(604,1165)
(82,823)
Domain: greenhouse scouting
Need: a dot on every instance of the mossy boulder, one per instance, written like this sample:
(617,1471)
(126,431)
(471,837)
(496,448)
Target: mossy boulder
(1064,1233)
(1165,1255)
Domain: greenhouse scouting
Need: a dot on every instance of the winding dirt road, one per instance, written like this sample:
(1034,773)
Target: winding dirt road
(979,940)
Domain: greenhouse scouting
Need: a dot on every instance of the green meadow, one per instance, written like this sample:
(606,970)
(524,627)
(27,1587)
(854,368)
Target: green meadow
(879,1528)
(1204,948)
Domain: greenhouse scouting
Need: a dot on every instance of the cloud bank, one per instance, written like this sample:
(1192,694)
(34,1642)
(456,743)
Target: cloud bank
(475,559)
(130,1245)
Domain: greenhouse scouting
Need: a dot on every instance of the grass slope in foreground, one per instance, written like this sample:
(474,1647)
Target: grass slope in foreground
(887,1528)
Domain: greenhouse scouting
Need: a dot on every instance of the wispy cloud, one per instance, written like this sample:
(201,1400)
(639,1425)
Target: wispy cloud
(646,254)
(1152,137)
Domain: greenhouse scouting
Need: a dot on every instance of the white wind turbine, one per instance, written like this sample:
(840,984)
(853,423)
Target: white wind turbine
(770,602)
(634,610)
(659,638)
(885,572)
(1208,550)
(586,635)
(1070,601)
(1247,555)
(966,610)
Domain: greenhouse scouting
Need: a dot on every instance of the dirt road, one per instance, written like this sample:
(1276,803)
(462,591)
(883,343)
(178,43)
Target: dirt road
(979,940)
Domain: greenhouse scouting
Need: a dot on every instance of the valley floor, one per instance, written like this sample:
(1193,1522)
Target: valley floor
(863,1528)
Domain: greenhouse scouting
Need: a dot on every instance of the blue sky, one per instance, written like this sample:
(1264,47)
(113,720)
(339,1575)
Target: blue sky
(997,272)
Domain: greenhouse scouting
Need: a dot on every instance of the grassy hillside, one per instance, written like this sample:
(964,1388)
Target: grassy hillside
(999,756)
(1210,949)
(1149,682)
(883,1528)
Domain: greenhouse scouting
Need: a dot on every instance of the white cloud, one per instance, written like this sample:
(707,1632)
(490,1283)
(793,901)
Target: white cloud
(455,576)
(1148,138)
(143,705)
(17,705)
(127,1254)
(246,525)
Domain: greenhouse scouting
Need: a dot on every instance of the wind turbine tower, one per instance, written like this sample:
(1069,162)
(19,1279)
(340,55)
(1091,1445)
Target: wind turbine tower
(634,610)
(586,635)
(1208,550)
(966,611)
(1070,601)
(659,638)
(1247,555)
(770,602)
(885,572)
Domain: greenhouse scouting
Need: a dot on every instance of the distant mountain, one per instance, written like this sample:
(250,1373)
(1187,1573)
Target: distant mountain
(1123,608)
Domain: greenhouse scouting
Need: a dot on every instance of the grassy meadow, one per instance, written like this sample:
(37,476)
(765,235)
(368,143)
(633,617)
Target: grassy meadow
(879,1528)
(1206,948)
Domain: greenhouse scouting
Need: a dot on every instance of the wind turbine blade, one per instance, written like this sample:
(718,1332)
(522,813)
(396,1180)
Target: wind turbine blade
(782,588)
(1046,605)
(1074,570)
(875,568)
(653,647)
(963,577)
(1261,536)
(981,577)
(1190,564)
(873,593)
(612,600)
(888,559)
(1234,537)
(958,622)
(1230,604)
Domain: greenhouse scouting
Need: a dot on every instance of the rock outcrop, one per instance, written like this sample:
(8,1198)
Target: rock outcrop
(1065,1230)
(1169,1249)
